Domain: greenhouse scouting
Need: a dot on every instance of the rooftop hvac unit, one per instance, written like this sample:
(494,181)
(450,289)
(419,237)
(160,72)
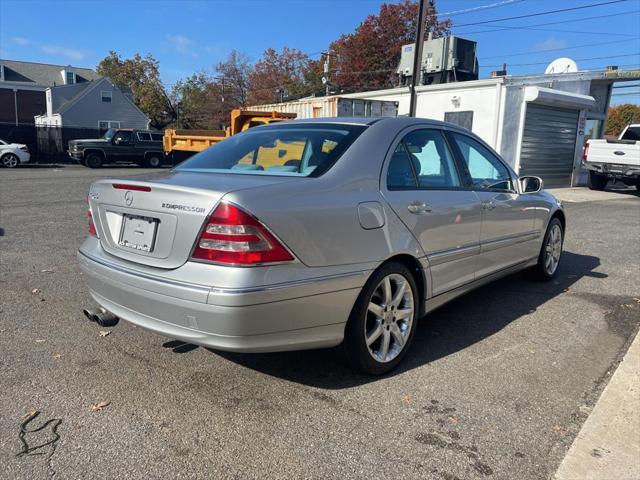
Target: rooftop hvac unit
(445,59)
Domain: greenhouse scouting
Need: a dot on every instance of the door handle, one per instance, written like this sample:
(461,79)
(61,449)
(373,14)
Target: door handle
(489,205)
(418,208)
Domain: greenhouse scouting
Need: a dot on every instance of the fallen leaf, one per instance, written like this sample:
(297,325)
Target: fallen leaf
(406,399)
(56,355)
(30,413)
(104,333)
(46,270)
(636,299)
(97,407)
(453,420)
(34,291)
(40,340)
(559,430)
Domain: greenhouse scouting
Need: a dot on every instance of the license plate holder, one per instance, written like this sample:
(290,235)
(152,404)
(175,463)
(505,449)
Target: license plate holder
(138,232)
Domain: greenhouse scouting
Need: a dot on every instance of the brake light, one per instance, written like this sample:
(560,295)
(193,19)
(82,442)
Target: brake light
(137,188)
(234,237)
(585,152)
(92,226)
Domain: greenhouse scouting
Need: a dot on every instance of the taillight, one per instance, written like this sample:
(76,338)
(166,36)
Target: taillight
(585,152)
(234,237)
(92,226)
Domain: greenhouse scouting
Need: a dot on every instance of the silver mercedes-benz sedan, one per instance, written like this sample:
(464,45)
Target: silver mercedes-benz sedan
(315,233)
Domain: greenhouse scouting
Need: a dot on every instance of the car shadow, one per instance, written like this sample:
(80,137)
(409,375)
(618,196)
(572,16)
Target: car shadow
(454,327)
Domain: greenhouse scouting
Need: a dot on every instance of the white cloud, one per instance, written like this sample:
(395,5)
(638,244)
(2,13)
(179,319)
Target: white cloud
(181,44)
(20,41)
(549,44)
(63,52)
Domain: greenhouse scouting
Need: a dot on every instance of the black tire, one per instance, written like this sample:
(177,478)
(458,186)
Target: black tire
(10,160)
(597,181)
(358,353)
(93,160)
(153,161)
(541,270)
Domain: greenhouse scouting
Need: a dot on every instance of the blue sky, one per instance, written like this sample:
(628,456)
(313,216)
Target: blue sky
(188,36)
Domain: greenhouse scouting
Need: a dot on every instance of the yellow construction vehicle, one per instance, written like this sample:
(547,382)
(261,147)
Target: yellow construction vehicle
(179,145)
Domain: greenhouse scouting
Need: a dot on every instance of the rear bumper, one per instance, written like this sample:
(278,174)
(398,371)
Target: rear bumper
(274,318)
(614,169)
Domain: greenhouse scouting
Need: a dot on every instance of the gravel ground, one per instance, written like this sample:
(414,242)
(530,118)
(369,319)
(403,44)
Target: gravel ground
(497,385)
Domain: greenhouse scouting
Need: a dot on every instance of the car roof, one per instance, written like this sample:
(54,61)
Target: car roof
(402,120)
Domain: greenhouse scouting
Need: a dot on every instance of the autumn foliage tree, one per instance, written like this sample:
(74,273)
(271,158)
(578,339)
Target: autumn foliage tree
(278,75)
(620,116)
(367,59)
(141,75)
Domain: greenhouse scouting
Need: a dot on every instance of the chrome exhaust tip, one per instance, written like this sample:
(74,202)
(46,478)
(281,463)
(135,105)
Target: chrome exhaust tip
(102,317)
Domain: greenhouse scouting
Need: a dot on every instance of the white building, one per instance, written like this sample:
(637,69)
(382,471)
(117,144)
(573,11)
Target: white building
(538,123)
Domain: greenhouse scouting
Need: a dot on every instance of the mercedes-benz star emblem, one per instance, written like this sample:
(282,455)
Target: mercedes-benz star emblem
(128,198)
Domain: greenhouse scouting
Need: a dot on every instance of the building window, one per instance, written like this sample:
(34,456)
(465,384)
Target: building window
(462,119)
(105,96)
(70,78)
(106,124)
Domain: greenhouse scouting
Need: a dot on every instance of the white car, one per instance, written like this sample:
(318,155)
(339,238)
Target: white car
(13,154)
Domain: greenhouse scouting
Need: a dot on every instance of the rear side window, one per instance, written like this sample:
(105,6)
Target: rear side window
(422,160)
(156,137)
(144,137)
(292,150)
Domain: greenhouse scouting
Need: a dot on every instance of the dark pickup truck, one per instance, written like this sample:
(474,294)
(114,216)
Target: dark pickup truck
(143,147)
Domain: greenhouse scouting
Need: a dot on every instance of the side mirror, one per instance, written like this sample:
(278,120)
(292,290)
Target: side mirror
(116,141)
(530,184)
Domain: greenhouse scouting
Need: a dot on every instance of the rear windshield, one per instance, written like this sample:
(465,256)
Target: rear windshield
(294,150)
(632,133)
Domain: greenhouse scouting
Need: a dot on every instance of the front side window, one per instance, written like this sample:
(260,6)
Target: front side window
(486,171)
(122,138)
(292,150)
(144,136)
(423,160)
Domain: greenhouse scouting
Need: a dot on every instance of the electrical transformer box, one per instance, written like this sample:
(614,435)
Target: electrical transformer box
(443,59)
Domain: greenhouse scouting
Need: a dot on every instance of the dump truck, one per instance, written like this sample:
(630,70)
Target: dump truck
(178,145)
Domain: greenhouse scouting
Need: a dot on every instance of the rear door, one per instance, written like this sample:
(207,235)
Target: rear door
(508,218)
(424,186)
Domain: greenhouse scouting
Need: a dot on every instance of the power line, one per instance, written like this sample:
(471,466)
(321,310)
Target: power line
(530,27)
(475,9)
(576,59)
(549,12)
(553,49)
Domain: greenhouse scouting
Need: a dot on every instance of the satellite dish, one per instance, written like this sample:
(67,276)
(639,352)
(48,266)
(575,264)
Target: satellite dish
(562,65)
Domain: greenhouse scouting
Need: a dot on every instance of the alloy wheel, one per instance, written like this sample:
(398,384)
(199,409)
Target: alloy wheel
(10,160)
(553,249)
(389,318)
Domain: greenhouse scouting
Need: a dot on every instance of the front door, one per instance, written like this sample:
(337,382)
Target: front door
(123,145)
(508,218)
(424,187)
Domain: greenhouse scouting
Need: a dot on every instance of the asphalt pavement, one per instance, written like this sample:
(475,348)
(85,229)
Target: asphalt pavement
(497,384)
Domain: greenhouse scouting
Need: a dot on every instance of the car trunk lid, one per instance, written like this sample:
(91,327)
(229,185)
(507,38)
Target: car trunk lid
(156,219)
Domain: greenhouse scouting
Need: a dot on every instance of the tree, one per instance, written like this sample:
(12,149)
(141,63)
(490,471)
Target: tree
(619,116)
(141,75)
(367,59)
(198,102)
(234,73)
(277,76)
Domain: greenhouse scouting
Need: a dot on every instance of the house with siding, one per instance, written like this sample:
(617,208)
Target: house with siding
(23,87)
(98,104)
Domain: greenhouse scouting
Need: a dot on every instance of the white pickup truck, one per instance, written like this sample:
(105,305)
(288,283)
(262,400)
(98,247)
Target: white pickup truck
(614,159)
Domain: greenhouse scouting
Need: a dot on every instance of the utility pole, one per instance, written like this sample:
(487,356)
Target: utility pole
(325,78)
(417,55)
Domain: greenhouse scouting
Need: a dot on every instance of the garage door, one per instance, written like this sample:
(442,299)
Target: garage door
(548,144)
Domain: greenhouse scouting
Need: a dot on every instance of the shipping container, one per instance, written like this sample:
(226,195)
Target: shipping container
(335,106)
